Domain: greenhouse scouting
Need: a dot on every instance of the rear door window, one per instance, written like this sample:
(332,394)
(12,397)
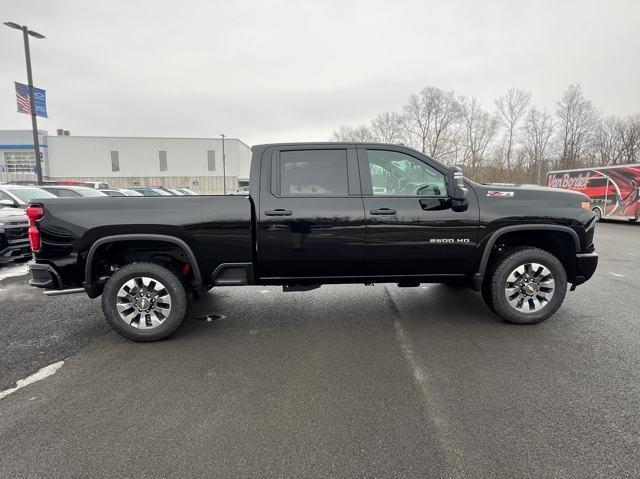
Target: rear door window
(313,173)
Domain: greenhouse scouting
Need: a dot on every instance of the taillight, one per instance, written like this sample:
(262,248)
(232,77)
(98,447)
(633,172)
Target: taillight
(34,213)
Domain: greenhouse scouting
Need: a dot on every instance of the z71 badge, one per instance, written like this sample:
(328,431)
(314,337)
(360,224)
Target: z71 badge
(500,194)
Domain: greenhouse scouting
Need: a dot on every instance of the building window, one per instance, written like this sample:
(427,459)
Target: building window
(115,161)
(19,162)
(162,156)
(211,160)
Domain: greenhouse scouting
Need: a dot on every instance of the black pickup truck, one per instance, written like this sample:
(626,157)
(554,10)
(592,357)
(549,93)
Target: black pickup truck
(317,214)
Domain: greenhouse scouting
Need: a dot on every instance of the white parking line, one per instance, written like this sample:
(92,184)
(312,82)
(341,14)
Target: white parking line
(45,372)
(616,275)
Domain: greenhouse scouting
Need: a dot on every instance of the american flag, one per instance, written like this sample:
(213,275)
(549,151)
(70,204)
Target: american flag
(22,97)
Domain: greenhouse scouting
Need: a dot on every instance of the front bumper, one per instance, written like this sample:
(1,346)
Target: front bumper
(586,264)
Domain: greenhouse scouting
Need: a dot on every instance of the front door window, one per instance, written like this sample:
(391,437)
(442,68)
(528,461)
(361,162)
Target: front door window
(397,174)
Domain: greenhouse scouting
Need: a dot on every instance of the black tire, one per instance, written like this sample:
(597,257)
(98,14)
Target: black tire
(494,291)
(598,212)
(174,287)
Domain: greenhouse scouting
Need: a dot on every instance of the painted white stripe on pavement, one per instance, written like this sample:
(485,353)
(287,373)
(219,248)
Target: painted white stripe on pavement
(45,372)
(616,275)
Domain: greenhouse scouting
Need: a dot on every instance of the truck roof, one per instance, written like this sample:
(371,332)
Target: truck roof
(330,143)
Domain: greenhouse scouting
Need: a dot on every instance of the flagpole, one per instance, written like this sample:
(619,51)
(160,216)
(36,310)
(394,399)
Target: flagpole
(32,103)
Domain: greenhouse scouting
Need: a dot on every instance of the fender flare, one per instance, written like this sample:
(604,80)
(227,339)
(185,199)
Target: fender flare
(88,268)
(495,236)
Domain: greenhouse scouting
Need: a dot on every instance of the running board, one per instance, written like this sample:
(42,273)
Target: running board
(60,292)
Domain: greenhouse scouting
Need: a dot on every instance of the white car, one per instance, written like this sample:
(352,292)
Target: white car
(62,191)
(185,191)
(18,196)
(97,185)
(121,192)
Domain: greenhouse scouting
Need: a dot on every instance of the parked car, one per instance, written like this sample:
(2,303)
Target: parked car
(97,185)
(175,192)
(149,191)
(313,217)
(186,191)
(17,196)
(121,192)
(241,190)
(14,235)
(72,191)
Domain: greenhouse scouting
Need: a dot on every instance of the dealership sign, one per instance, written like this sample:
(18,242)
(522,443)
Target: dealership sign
(23,100)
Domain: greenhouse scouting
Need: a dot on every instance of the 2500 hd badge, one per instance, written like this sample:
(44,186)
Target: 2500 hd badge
(449,240)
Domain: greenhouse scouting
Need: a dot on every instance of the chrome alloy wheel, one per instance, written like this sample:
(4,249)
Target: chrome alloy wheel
(529,287)
(143,303)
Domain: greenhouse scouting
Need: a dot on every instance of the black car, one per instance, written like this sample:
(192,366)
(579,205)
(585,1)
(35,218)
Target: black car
(318,214)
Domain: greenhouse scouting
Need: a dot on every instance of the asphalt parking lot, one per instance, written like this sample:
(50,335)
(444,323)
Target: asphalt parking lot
(344,381)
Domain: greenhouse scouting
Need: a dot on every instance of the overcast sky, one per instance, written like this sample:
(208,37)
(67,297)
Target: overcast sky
(295,70)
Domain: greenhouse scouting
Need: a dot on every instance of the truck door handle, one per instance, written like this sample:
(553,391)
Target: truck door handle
(278,212)
(383,211)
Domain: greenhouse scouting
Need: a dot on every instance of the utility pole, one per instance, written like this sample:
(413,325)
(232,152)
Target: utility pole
(32,101)
(224,165)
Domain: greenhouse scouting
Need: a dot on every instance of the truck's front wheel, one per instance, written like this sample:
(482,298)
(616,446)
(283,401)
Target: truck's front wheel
(144,301)
(527,286)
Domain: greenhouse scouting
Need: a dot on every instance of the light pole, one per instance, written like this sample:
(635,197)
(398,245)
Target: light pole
(224,165)
(32,102)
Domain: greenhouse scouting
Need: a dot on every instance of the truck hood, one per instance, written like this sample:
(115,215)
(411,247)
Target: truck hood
(530,191)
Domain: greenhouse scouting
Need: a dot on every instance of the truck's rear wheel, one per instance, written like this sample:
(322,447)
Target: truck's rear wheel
(527,286)
(144,301)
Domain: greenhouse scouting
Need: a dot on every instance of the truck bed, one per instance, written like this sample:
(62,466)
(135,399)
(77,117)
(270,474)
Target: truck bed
(217,229)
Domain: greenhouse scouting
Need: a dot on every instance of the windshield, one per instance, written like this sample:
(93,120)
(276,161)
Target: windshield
(127,192)
(27,194)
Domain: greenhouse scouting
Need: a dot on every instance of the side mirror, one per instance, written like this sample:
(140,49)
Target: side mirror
(8,204)
(457,191)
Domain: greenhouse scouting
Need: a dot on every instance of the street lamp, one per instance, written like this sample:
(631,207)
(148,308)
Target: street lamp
(224,165)
(32,102)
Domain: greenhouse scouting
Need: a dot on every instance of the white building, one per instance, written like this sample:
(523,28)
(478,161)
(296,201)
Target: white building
(132,161)
(17,156)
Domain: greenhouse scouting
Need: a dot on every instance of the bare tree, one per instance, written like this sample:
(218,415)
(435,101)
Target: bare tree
(478,128)
(538,130)
(607,144)
(387,128)
(629,132)
(348,134)
(510,110)
(577,122)
(431,122)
